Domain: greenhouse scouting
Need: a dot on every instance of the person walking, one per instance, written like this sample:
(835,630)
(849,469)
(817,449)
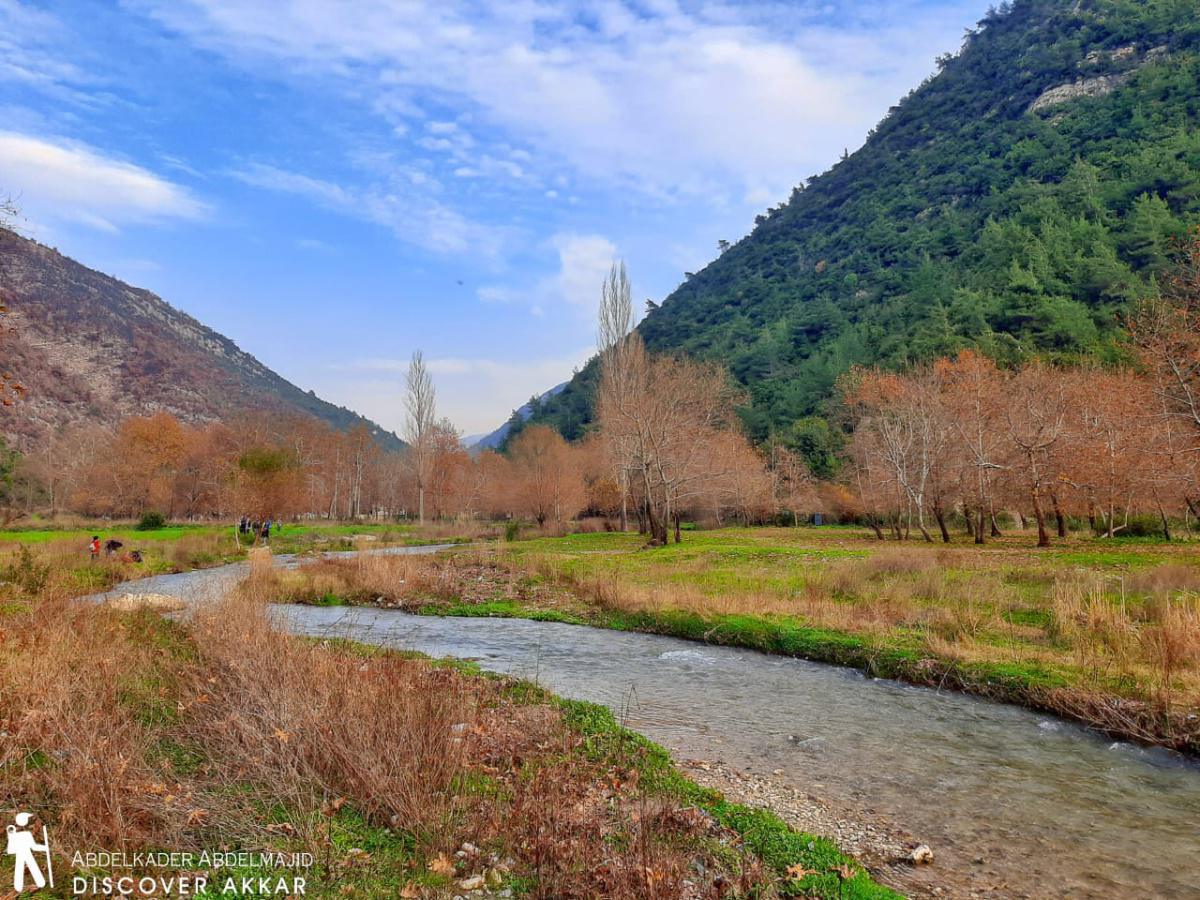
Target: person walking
(94,546)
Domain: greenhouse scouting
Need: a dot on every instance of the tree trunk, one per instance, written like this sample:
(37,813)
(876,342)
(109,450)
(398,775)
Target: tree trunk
(1162,514)
(970,522)
(1059,519)
(658,528)
(874,523)
(678,537)
(995,527)
(624,500)
(1043,535)
(940,515)
(924,531)
(982,515)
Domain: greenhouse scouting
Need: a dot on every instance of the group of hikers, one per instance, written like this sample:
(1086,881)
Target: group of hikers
(257,530)
(247,528)
(111,547)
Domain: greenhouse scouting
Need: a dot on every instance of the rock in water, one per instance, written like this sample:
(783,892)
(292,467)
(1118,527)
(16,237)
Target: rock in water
(155,602)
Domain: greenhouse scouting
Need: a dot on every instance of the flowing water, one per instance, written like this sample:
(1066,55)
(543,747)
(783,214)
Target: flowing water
(1015,803)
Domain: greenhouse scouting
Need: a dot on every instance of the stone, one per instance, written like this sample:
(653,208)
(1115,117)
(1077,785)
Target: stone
(474,883)
(1084,87)
(921,855)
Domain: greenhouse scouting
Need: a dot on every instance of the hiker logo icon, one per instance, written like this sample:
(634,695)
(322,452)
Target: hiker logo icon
(22,845)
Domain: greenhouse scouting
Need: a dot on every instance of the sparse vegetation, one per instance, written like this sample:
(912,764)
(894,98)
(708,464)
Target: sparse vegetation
(400,776)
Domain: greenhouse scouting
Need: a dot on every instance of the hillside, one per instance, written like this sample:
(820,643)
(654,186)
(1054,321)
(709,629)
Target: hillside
(1017,201)
(91,348)
(495,439)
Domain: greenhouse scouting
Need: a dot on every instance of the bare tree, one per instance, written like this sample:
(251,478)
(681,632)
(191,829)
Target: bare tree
(617,356)
(1035,408)
(668,421)
(547,475)
(421,404)
(974,386)
(1166,332)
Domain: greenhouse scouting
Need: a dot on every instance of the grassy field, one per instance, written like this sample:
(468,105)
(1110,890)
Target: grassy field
(287,535)
(1105,632)
(398,776)
(54,561)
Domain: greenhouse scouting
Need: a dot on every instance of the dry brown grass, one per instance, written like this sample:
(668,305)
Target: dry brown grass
(1164,581)
(80,688)
(99,708)
(307,725)
(395,737)
(365,577)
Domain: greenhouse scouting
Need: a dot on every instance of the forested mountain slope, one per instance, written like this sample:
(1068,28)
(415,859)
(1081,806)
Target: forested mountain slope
(1017,201)
(91,348)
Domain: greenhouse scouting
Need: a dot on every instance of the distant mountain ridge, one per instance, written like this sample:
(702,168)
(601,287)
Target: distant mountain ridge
(1018,201)
(497,438)
(89,347)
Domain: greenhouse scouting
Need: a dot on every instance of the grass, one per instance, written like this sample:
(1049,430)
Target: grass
(63,553)
(288,536)
(1108,634)
(397,775)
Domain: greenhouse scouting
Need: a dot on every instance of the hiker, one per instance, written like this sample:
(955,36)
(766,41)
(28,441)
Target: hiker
(266,532)
(94,546)
(244,525)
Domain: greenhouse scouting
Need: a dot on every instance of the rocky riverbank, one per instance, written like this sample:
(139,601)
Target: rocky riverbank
(894,854)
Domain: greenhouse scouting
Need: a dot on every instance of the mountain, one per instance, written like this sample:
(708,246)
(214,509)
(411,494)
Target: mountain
(91,348)
(1017,201)
(498,437)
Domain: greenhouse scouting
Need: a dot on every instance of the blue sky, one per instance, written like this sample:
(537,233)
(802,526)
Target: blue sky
(335,184)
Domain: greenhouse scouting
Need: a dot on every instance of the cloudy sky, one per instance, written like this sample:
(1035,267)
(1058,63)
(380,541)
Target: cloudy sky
(335,184)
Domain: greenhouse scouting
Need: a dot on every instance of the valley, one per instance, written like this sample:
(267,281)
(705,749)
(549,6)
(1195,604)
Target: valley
(858,559)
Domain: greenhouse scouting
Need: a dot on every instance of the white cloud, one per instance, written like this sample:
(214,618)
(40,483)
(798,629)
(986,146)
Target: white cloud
(28,58)
(584,261)
(410,211)
(670,98)
(55,179)
(476,394)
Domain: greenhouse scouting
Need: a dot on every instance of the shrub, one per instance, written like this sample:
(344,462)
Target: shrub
(26,572)
(151,521)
